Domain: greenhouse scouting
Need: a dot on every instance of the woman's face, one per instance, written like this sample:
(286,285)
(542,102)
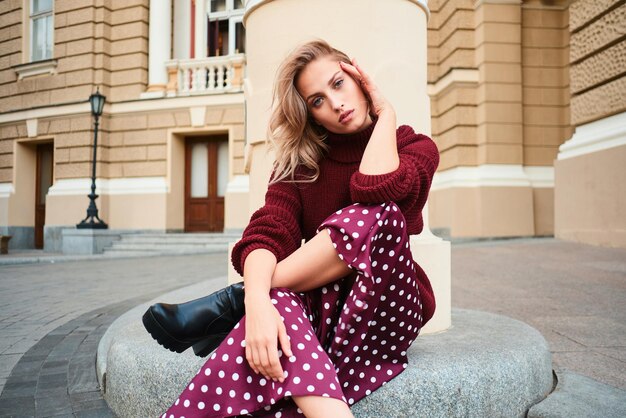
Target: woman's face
(334,99)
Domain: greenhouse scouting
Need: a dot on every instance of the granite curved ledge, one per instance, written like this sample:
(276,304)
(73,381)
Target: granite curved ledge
(484,365)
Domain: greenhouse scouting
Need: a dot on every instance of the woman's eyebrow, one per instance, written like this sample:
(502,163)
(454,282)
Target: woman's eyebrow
(329,82)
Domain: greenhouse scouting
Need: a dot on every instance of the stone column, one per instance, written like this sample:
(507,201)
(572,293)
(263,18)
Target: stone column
(160,43)
(389,40)
(200,43)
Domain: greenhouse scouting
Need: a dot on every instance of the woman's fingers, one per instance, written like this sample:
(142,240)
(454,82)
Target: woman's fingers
(366,77)
(249,358)
(284,342)
(266,360)
(361,77)
(255,360)
(357,72)
(262,361)
(351,70)
(262,335)
(353,73)
(275,369)
(367,84)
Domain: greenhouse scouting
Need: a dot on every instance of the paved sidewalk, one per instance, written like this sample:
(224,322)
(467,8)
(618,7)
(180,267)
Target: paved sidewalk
(57,376)
(573,293)
(37,298)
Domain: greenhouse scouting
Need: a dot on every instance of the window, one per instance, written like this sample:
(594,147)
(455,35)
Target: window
(226,34)
(41,30)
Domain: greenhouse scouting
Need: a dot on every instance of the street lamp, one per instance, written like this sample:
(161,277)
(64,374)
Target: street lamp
(97,104)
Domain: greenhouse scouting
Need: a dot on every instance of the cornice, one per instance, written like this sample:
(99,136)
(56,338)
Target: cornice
(252,5)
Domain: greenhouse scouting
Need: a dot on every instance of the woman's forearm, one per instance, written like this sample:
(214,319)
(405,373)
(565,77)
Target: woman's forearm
(381,154)
(258,270)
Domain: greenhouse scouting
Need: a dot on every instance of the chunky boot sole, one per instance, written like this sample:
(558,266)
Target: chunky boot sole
(201,348)
(161,336)
(226,306)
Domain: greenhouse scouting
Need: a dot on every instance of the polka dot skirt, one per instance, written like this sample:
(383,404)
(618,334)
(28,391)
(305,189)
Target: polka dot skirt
(348,338)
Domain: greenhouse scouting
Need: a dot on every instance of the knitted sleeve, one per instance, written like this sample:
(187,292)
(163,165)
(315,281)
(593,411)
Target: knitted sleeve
(419,158)
(275,226)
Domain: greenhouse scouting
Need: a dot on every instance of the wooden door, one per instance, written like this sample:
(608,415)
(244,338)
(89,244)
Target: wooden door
(44,178)
(206,177)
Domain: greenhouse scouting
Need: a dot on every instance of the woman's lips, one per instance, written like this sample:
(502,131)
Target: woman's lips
(345,117)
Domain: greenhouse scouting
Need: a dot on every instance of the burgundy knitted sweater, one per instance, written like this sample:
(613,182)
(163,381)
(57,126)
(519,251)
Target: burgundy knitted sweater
(293,211)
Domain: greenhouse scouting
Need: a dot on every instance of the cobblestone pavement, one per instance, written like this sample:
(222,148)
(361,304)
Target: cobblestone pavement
(52,314)
(57,376)
(35,299)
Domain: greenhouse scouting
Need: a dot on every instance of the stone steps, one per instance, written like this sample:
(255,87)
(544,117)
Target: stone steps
(153,243)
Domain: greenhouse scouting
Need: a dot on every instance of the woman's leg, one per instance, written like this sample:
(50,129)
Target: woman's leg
(313,265)
(322,407)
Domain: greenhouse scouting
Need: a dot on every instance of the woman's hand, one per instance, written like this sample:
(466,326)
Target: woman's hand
(264,327)
(377,102)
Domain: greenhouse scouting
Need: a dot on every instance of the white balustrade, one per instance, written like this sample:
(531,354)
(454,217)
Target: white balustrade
(211,75)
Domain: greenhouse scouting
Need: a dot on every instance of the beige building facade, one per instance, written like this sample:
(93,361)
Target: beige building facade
(511,85)
(590,170)
(500,98)
(528,101)
(171,140)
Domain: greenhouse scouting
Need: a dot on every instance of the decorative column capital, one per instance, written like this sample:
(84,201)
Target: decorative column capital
(252,5)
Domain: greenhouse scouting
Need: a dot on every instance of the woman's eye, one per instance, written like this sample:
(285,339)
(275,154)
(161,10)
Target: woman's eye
(317,102)
(338,83)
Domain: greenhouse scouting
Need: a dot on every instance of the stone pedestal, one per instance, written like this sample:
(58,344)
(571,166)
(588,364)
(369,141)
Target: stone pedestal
(486,365)
(87,241)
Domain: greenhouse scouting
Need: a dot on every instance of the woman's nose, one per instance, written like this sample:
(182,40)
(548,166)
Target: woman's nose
(336,103)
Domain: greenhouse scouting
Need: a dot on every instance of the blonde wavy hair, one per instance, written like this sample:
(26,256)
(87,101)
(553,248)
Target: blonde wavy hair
(296,139)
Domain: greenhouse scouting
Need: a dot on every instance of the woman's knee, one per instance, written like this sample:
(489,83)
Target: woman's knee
(387,217)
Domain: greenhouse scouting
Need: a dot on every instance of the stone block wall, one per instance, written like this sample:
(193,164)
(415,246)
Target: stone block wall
(597,59)
(545,75)
(506,100)
(453,109)
(96,43)
(499,109)
(589,171)
(499,89)
(128,65)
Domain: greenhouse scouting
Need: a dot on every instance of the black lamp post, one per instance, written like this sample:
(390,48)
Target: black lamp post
(97,104)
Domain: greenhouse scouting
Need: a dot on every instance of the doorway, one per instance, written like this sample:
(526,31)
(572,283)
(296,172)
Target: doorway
(206,178)
(44,179)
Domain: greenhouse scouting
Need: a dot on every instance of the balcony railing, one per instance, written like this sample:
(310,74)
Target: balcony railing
(211,75)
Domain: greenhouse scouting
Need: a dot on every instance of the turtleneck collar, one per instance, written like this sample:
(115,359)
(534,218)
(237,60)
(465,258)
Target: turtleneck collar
(349,148)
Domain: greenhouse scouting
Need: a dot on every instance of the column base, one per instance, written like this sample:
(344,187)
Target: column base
(87,241)
(433,255)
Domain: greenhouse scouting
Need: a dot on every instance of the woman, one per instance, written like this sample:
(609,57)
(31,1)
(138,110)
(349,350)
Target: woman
(328,321)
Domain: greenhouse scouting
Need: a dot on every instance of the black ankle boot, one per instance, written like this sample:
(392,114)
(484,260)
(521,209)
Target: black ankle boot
(202,323)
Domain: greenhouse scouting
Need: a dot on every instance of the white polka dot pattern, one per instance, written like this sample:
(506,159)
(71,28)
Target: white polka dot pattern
(348,337)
